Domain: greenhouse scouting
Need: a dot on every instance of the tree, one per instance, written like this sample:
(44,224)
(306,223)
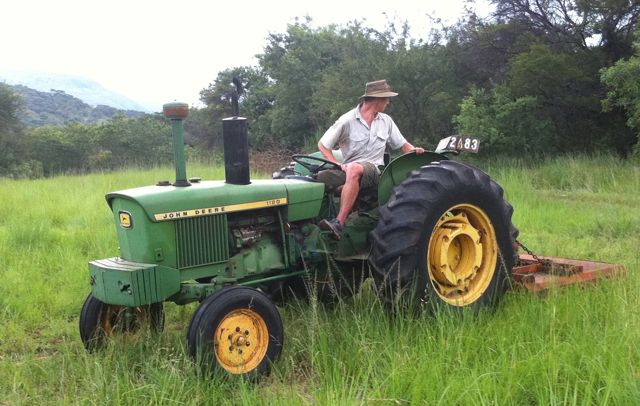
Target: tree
(576,23)
(11,142)
(117,143)
(623,81)
(255,100)
(60,149)
(505,124)
(295,63)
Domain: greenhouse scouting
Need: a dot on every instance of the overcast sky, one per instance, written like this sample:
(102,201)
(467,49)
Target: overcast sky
(158,51)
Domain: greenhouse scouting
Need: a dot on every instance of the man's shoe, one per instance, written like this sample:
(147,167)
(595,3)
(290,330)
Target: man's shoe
(332,225)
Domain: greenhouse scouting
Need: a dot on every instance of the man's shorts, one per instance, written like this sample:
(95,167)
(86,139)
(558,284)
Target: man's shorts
(337,177)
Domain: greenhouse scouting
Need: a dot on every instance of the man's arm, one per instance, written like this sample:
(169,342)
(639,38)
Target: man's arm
(328,154)
(407,147)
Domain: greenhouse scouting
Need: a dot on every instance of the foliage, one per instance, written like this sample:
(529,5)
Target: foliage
(504,123)
(119,142)
(549,99)
(256,98)
(542,76)
(574,23)
(532,78)
(11,148)
(623,80)
(308,77)
(295,61)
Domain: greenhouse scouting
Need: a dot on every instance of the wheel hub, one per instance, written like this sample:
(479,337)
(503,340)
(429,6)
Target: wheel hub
(457,253)
(121,319)
(462,254)
(241,341)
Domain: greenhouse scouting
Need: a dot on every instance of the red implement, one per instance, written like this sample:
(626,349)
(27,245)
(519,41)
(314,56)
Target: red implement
(536,275)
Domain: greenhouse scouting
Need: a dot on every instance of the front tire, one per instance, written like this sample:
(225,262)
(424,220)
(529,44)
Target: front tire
(445,238)
(237,330)
(99,320)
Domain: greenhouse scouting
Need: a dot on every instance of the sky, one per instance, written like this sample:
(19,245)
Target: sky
(159,51)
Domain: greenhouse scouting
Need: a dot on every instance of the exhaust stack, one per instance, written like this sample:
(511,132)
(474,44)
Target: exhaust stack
(177,112)
(236,143)
(236,151)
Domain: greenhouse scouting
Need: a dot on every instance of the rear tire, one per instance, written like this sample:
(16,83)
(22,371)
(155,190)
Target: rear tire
(445,239)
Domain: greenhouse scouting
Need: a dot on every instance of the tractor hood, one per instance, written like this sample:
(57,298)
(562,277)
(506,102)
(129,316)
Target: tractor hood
(162,203)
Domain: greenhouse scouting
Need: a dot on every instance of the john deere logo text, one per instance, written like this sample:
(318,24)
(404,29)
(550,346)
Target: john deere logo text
(207,211)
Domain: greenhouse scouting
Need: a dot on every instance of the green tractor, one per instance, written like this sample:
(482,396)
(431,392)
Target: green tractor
(440,234)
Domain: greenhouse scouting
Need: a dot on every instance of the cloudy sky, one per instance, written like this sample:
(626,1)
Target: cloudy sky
(157,51)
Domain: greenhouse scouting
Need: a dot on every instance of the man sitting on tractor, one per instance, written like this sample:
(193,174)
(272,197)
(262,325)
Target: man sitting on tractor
(362,135)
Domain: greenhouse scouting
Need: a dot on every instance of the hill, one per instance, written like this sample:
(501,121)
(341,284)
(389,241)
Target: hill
(89,91)
(56,107)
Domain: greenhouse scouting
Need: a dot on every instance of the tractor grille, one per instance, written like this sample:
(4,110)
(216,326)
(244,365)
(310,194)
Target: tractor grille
(202,240)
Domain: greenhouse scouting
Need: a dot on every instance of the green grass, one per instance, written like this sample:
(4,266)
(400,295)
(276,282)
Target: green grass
(577,345)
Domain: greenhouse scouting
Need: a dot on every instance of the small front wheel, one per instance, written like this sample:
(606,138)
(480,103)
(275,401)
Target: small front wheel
(238,330)
(99,320)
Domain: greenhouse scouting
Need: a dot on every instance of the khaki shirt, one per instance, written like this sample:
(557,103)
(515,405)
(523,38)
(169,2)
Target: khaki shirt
(358,142)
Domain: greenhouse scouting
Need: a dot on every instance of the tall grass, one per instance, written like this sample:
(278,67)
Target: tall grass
(577,345)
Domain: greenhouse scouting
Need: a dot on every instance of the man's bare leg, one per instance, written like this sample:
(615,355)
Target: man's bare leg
(350,190)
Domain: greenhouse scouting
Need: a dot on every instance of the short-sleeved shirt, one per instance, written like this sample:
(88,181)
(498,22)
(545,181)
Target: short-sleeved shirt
(358,142)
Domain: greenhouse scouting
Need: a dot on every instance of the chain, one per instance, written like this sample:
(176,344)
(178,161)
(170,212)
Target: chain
(528,251)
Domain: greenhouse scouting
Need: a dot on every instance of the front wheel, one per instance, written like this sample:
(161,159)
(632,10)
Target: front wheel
(99,320)
(445,237)
(237,330)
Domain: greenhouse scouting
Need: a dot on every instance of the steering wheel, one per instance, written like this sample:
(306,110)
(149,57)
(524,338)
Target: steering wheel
(313,167)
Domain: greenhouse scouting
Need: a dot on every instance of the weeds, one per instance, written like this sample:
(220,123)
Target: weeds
(570,345)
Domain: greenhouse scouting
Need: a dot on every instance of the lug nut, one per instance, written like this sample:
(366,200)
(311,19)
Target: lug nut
(247,343)
(231,348)
(246,332)
(239,351)
(237,329)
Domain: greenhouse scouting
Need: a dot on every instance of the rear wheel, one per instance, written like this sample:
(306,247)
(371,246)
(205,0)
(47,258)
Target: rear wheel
(99,320)
(445,237)
(237,330)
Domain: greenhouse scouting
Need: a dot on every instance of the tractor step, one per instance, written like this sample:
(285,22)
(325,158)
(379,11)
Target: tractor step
(544,272)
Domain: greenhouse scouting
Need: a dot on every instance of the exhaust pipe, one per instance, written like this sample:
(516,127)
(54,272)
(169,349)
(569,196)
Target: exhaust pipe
(236,144)
(177,112)
(236,151)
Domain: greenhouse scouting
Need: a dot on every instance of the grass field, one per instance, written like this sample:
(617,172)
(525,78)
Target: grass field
(577,345)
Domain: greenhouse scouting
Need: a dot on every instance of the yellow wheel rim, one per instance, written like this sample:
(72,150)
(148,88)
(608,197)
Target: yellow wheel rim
(120,319)
(241,341)
(462,254)
(109,318)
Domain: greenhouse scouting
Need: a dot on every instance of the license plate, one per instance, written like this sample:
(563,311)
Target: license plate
(458,143)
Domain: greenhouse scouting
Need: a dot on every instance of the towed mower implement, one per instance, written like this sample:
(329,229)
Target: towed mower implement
(536,273)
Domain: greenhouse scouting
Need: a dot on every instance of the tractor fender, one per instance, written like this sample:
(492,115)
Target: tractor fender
(399,169)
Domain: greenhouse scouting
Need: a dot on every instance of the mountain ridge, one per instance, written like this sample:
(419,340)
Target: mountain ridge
(59,108)
(89,91)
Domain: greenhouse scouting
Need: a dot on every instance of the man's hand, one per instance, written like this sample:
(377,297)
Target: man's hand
(407,147)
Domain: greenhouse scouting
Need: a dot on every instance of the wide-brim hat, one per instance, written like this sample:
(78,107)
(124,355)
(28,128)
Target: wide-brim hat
(379,88)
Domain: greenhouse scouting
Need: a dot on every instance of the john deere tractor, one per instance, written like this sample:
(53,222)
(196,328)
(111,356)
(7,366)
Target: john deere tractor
(439,234)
